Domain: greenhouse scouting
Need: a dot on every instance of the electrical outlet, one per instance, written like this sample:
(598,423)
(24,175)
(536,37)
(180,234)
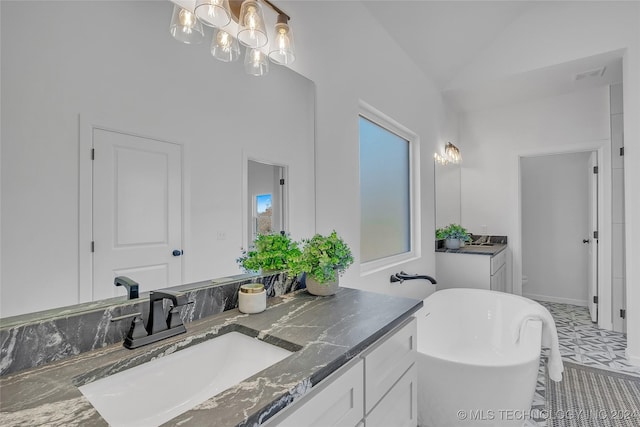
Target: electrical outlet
(222,235)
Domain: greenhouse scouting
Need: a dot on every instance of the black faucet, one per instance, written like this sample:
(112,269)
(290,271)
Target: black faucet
(160,325)
(132,287)
(402,276)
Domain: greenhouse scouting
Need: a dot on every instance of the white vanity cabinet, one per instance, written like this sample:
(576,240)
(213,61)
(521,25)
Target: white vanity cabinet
(336,401)
(377,388)
(472,270)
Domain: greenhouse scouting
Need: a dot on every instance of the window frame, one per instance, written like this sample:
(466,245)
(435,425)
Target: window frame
(375,116)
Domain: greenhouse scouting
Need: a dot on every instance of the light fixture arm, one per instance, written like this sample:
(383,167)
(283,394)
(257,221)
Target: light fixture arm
(277,10)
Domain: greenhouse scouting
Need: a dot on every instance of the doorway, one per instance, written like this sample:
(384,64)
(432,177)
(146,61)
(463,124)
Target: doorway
(555,231)
(266,199)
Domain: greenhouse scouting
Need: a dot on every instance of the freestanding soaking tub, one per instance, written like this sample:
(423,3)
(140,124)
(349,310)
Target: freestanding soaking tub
(471,370)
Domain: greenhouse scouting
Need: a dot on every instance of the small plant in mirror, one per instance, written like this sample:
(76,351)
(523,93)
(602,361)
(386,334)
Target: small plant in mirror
(271,252)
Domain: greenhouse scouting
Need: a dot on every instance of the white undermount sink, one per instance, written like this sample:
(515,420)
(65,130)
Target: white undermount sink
(159,390)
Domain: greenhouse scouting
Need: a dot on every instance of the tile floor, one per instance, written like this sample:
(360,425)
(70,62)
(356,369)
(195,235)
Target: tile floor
(581,341)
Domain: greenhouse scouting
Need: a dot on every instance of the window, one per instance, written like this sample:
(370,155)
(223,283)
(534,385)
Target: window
(387,232)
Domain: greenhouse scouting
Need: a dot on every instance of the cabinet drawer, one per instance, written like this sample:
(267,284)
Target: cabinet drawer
(498,261)
(339,403)
(399,407)
(386,363)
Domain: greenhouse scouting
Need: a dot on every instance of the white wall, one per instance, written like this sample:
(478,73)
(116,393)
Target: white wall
(118,64)
(554,222)
(353,59)
(556,32)
(447,194)
(494,139)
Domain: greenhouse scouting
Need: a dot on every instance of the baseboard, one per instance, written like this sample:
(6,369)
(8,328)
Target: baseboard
(581,303)
(633,359)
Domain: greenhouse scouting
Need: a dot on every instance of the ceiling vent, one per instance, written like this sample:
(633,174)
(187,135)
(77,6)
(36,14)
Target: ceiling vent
(597,72)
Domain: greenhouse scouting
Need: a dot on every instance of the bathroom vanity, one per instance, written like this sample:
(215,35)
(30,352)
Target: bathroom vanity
(340,345)
(479,267)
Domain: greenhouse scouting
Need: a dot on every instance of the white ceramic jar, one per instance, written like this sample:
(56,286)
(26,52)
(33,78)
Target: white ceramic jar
(252,298)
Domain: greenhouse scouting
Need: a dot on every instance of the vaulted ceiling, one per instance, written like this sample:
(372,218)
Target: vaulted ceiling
(445,38)
(442,37)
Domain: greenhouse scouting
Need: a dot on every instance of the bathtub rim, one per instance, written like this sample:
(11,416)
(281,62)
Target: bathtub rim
(532,334)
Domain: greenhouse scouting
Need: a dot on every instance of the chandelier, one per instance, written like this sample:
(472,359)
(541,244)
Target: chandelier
(236,23)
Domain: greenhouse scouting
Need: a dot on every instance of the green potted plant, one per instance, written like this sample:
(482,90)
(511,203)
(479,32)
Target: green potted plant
(272,252)
(454,235)
(324,259)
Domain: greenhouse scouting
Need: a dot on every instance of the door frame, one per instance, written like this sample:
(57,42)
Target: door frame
(603,148)
(246,157)
(87,123)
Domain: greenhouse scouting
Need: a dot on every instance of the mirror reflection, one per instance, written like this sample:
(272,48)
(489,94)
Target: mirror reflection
(172,129)
(267,194)
(447,193)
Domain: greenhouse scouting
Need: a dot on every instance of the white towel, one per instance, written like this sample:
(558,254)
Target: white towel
(535,311)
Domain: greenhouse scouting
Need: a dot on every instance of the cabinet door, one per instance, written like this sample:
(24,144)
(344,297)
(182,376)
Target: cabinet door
(459,270)
(386,363)
(499,280)
(399,407)
(339,404)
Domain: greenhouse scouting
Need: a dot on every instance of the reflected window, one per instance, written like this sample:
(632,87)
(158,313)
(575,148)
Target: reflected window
(264,214)
(386,205)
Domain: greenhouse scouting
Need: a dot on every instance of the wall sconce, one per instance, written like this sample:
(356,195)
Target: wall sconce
(236,21)
(451,155)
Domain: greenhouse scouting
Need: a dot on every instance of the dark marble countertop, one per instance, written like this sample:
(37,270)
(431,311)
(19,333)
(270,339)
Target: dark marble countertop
(324,332)
(493,249)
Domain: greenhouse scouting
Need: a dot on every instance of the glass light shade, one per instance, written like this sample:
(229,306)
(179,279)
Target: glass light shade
(185,27)
(255,62)
(224,47)
(213,13)
(453,153)
(281,49)
(251,29)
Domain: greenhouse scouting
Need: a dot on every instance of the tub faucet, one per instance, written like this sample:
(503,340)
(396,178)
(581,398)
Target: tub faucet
(402,276)
(160,324)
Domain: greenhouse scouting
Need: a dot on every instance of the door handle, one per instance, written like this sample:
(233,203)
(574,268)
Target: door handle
(586,241)
(177,252)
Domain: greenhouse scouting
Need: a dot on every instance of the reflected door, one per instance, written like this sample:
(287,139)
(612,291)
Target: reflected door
(137,212)
(267,199)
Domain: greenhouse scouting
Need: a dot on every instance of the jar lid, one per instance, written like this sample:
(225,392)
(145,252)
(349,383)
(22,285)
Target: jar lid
(252,288)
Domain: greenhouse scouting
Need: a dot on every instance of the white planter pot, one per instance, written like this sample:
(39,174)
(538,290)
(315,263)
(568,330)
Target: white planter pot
(452,243)
(321,289)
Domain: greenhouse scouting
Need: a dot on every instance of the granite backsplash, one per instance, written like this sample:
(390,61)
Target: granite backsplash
(30,341)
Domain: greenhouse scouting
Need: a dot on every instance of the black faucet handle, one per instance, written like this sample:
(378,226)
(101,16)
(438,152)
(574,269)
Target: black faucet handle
(174,319)
(137,329)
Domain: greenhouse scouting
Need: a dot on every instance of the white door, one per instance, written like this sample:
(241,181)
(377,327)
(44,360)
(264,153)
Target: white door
(591,240)
(137,212)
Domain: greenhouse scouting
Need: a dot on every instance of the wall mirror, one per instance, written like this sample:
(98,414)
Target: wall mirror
(447,181)
(109,77)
